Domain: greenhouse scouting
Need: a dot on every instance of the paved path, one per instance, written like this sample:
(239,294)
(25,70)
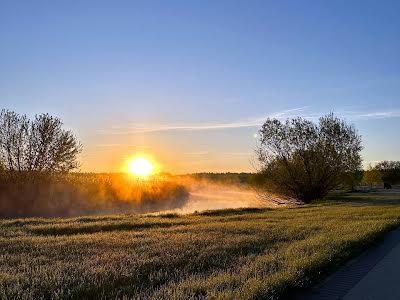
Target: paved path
(373,275)
(382,282)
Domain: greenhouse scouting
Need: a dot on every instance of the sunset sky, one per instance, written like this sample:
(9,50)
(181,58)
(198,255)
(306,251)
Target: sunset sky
(190,82)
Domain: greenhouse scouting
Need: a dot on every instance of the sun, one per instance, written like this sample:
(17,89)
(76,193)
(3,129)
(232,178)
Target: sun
(140,166)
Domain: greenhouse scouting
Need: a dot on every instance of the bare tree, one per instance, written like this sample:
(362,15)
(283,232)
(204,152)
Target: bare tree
(306,160)
(36,145)
(13,135)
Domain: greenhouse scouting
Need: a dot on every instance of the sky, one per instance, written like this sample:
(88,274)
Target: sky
(189,83)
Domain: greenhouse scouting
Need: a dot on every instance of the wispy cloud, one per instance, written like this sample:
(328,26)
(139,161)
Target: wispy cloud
(243,123)
(304,112)
(353,115)
(375,114)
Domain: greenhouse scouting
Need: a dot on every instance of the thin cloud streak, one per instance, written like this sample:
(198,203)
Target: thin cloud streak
(250,122)
(377,115)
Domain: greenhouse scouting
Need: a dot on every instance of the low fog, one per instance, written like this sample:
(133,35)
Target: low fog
(74,195)
(208,195)
(212,197)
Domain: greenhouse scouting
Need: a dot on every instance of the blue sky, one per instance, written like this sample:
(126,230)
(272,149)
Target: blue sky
(189,82)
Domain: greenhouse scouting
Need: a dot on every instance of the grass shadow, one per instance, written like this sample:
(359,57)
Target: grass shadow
(231,211)
(371,198)
(73,229)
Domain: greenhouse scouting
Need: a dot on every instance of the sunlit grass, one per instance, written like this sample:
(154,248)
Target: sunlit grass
(231,254)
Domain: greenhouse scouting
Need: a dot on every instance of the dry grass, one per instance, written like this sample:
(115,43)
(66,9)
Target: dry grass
(77,194)
(246,254)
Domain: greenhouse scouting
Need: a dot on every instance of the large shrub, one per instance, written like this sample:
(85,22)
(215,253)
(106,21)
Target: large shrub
(306,160)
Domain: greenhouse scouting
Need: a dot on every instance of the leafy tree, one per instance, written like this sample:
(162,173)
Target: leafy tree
(352,179)
(36,145)
(306,160)
(372,176)
(390,171)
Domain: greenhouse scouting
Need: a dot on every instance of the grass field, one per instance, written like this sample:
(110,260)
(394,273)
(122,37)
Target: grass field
(229,254)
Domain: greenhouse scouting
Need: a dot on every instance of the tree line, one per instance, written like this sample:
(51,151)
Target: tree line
(382,172)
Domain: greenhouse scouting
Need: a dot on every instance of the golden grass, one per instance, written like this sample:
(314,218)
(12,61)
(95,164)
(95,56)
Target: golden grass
(228,254)
(78,194)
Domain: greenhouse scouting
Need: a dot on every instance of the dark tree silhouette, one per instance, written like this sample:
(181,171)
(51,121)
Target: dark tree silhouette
(40,145)
(306,160)
(390,171)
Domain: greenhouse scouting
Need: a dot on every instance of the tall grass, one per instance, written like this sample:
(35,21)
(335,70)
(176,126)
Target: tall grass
(63,195)
(227,254)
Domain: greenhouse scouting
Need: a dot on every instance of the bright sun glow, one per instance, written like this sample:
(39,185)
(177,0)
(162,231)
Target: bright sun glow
(140,166)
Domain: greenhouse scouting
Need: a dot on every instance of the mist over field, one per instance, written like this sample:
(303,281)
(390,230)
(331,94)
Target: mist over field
(86,194)
(80,194)
(220,198)
(207,195)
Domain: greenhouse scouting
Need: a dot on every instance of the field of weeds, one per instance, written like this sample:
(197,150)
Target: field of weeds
(77,194)
(230,254)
